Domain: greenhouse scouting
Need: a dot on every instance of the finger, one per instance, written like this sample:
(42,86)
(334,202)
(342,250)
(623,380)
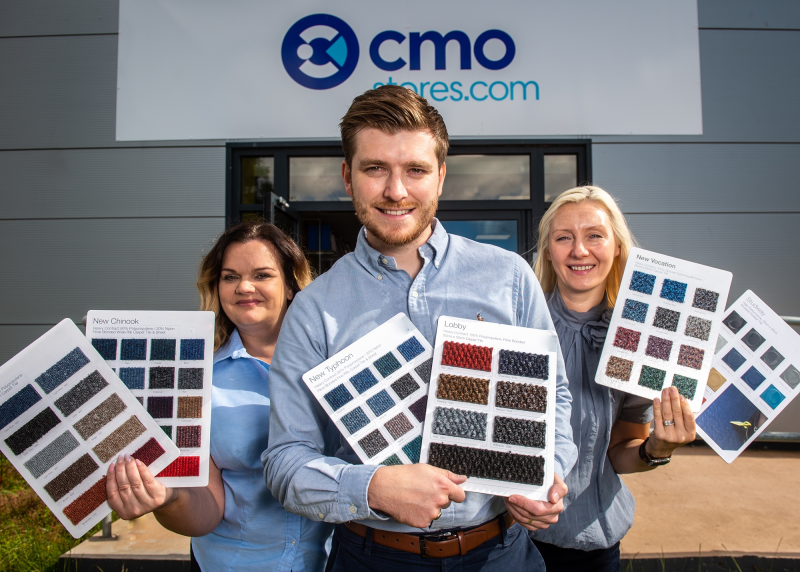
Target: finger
(456,493)
(688,419)
(457,479)
(657,417)
(558,491)
(135,479)
(112,490)
(123,484)
(666,405)
(532,508)
(677,411)
(519,515)
(151,485)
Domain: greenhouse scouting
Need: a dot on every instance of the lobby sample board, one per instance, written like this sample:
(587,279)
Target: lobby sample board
(491,406)
(664,327)
(165,359)
(65,417)
(376,390)
(755,374)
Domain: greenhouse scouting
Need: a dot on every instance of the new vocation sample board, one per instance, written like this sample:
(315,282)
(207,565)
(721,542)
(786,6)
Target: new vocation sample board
(376,390)
(755,374)
(664,327)
(65,417)
(491,406)
(165,359)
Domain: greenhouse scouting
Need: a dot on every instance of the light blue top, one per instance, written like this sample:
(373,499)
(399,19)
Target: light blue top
(363,290)
(256,533)
(599,507)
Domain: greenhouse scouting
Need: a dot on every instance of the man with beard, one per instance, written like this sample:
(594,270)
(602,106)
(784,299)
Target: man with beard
(395,146)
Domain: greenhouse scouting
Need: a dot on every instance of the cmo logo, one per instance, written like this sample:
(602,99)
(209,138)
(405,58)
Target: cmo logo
(440,45)
(320,51)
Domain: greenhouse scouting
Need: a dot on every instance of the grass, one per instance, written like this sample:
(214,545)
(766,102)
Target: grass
(31,538)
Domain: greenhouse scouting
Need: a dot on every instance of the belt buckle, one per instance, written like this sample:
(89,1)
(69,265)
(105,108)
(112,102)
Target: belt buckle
(423,548)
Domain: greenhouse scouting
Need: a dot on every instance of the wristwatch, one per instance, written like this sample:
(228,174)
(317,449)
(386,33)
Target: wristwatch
(647,459)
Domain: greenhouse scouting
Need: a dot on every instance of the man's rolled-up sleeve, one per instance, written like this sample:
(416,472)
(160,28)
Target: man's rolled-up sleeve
(305,481)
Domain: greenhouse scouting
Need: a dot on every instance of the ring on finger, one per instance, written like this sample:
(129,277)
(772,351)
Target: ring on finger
(668,422)
(530,520)
(439,516)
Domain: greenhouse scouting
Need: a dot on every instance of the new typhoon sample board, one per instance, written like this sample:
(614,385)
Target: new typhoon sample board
(664,327)
(376,390)
(755,374)
(491,407)
(165,359)
(65,417)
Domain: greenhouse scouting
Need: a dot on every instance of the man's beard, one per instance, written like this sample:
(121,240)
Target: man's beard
(395,237)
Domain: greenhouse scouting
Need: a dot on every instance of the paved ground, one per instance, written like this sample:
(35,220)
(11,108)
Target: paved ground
(699,502)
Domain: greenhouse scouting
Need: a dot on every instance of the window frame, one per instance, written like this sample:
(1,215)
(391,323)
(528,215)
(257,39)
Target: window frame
(527,211)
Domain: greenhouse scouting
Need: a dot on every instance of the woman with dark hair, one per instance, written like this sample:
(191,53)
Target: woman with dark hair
(248,280)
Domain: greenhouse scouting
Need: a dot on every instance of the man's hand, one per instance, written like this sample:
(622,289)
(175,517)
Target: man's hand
(414,494)
(534,515)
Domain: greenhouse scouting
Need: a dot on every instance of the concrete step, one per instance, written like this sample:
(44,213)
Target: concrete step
(141,545)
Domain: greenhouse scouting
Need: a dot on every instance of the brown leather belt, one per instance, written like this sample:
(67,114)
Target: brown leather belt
(434,545)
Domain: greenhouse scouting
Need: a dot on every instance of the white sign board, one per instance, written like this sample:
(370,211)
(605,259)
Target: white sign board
(254,69)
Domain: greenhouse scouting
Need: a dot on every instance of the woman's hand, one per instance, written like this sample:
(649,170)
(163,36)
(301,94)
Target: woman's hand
(666,438)
(132,489)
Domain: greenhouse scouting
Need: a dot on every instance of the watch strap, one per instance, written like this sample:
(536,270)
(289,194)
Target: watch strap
(647,459)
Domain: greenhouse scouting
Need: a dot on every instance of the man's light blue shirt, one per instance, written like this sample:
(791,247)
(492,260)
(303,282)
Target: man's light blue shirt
(361,291)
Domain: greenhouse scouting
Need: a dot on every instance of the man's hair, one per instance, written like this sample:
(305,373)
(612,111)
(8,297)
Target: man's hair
(391,109)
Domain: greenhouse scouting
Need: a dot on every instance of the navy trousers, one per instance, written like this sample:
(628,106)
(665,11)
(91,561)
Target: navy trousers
(511,551)
(559,559)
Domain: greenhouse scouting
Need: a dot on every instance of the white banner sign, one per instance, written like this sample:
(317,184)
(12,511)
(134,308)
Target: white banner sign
(252,69)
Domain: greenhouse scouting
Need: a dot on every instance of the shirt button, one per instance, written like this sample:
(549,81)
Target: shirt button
(294,542)
(353,509)
(414,294)
(384,261)
(436,264)
(380,276)
(319,514)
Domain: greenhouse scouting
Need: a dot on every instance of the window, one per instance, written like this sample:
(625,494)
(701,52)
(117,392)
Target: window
(495,191)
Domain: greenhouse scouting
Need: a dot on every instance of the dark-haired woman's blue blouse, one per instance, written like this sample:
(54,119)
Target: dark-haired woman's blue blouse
(599,507)
(256,532)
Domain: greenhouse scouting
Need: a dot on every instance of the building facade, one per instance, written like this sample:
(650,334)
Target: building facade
(87,222)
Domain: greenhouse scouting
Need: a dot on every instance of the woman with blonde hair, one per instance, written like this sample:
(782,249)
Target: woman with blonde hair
(583,246)
(248,279)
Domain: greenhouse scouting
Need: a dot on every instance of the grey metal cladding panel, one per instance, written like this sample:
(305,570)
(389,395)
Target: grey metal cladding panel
(766,14)
(58,91)
(699,178)
(788,420)
(112,183)
(61,92)
(749,86)
(65,267)
(56,17)
(13,339)
(757,248)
